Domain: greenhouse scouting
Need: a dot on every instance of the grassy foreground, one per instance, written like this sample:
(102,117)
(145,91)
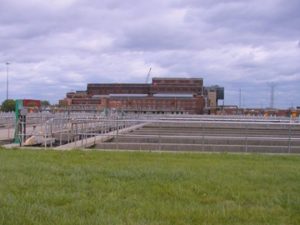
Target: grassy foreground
(48,187)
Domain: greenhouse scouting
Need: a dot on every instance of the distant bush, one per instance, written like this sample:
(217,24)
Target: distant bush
(45,103)
(8,105)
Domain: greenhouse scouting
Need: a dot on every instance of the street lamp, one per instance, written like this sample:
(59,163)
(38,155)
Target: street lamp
(7,65)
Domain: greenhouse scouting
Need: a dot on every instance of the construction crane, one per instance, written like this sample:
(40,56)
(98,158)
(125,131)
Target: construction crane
(148,76)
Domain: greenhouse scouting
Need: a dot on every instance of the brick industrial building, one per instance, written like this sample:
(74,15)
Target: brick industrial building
(163,95)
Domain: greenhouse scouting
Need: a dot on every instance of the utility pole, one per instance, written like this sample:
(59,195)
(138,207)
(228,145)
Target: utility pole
(240,98)
(7,65)
(272,86)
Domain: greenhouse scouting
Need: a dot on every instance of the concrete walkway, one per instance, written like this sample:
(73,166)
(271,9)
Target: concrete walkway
(6,134)
(89,142)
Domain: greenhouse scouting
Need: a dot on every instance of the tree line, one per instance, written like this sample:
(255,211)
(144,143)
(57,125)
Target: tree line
(9,105)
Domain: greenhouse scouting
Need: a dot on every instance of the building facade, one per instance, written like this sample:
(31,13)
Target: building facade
(163,95)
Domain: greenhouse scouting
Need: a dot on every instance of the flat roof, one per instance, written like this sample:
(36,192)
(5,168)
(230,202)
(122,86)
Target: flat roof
(176,78)
(177,95)
(118,84)
(128,95)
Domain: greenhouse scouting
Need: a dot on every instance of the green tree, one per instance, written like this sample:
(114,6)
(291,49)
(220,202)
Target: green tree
(45,103)
(8,105)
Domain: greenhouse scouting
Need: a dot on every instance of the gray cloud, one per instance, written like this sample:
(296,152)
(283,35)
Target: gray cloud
(61,45)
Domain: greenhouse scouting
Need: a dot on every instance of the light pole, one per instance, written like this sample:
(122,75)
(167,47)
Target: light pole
(7,65)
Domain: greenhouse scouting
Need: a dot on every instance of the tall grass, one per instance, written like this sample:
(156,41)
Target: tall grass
(77,187)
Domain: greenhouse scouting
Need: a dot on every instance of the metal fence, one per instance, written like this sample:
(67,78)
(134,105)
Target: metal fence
(159,132)
(183,134)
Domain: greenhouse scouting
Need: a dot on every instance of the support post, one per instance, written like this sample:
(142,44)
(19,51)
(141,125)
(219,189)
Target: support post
(289,144)
(246,138)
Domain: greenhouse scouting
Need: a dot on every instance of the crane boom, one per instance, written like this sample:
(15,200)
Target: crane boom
(148,76)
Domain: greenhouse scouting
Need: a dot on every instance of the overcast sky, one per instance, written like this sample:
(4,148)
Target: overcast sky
(57,46)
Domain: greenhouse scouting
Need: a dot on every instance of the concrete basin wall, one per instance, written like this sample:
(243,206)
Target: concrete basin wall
(214,137)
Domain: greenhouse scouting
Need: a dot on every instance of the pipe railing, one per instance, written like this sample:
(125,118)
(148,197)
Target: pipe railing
(61,128)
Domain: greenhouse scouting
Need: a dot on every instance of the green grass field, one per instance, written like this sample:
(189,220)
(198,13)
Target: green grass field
(77,187)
